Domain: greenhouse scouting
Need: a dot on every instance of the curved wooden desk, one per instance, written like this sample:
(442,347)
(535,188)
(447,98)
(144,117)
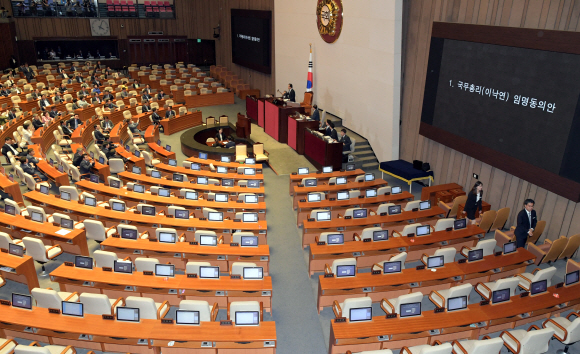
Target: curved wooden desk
(131,198)
(231,165)
(179,123)
(391,286)
(160,152)
(302,192)
(105,334)
(295,179)
(180,253)
(213,99)
(169,170)
(144,222)
(102,171)
(74,242)
(176,186)
(348,227)
(471,323)
(172,289)
(22,269)
(339,206)
(369,253)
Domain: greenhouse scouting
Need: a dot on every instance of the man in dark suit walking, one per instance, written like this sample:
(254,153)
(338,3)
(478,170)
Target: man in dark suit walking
(526,223)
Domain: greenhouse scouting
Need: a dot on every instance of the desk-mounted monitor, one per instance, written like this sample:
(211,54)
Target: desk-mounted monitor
(155,174)
(22,301)
(74,309)
(360,314)
(128,314)
(251,198)
(249,171)
(410,309)
(94,178)
(43,189)
(499,296)
(222,170)
(343,271)
(208,240)
(167,237)
(313,197)
(168,147)
(222,197)
(226,159)
(250,161)
(136,170)
(202,180)
(148,210)
(323,216)
(187,317)
(303,170)
(394,209)
(115,183)
(215,216)
(9,209)
(191,195)
(195,167)
(327,169)
(539,287)
(129,234)
(572,278)
(359,213)
(138,188)
(423,230)
(182,214)
(65,196)
(350,167)
(425,205)
(460,224)
(15,250)
(123,266)
(253,184)
(310,182)
(36,216)
(369,177)
(396,190)
(66,223)
(249,217)
(370,193)
(137,153)
(341,180)
(90,201)
(509,247)
(475,255)
(249,241)
(392,267)
(209,272)
(172,162)
(335,239)
(247,318)
(456,303)
(83,262)
(253,273)
(227,182)
(164,192)
(165,270)
(203,155)
(380,235)
(435,262)
(342,195)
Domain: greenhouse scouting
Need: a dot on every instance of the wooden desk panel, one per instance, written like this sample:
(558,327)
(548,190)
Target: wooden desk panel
(485,206)
(295,178)
(213,99)
(301,192)
(230,165)
(429,192)
(102,171)
(160,152)
(24,271)
(179,123)
(169,170)
(74,242)
(12,188)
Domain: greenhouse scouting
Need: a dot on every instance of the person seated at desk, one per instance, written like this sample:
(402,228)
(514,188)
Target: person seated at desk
(78,78)
(66,132)
(315,114)
(62,88)
(289,95)
(10,81)
(146,90)
(28,72)
(85,165)
(99,136)
(96,81)
(57,98)
(54,113)
(44,102)
(74,122)
(330,131)
(110,106)
(30,156)
(160,95)
(67,79)
(27,133)
(136,85)
(59,70)
(146,96)
(133,127)
(15,90)
(112,154)
(96,89)
(220,135)
(96,100)
(170,113)
(30,168)
(78,157)
(36,94)
(6,91)
(107,125)
(155,117)
(36,122)
(145,107)
(12,113)
(84,92)
(107,95)
(10,146)
(73,68)
(124,93)
(45,118)
(75,104)
(82,102)
(230,143)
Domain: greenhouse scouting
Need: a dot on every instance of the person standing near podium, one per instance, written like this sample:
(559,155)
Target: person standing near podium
(330,131)
(289,95)
(220,135)
(526,223)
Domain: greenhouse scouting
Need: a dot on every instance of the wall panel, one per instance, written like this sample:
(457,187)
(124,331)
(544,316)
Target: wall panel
(194,19)
(501,189)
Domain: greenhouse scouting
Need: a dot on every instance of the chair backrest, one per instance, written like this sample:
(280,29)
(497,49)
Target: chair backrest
(505,283)
(46,298)
(236,306)
(402,257)
(94,230)
(460,290)
(74,193)
(95,304)
(448,254)
(408,229)
(354,303)
(5,240)
(197,305)
(368,232)
(555,249)
(414,204)
(35,249)
(500,218)
(487,220)
(353,193)
(492,345)
(540,226)
(241,149)
(237,236)
(341,262)
(145,264)
(458,200)
(146,306)
(193,267)
(258,149)
(407,299)
(546,273)
(488,246)
(443,224)
(445,348)
(237,268)
(536,342)
(571,247)
(104,258)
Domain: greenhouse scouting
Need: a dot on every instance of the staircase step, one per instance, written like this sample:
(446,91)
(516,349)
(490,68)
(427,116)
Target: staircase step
(370,166)
(366,159)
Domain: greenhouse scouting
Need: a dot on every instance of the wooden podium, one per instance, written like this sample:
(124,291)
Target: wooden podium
(243,126)
(276,119)
(320,153)
(297,129)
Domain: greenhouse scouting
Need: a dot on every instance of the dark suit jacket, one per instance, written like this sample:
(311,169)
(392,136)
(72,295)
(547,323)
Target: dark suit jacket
(85,167)
(6,149)
(37,123)
(170,113)
(290,95)
(156,118)
(77,159)
(145,109)
(99,135)
(71,123)
(523,223)
(220,137)
(470,204)
(346,141)
(333,134)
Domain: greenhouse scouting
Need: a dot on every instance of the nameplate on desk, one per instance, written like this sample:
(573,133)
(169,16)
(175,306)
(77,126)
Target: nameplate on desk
(524,294)
(116,236)
(415,209)
(55,311)
(216,184)
(107,207)
(69,264)
(240,173)
(57,196)
(420,267)
(192,275)
(237,220)
(167,321)
(449,229)
(361,197)
(202,219)
(55,224)
(340,319)
(226,323)
(329,275)
(294,173)
(210,200)
(300,185)
(302,200)
(462,261)
(498,253)
(152,240)
(193,243)
(180,197)
(27,217)
(147,272)
(311,219)
(387,193)
(440,309)
(5,302)
(234,244)
(235,276)
(107,269)
(391,315)
(321,243)
(3,250)
(559,285)
(376,272)
(484,302)
(169,216)
(367,240)
(239,201)
(331,184)
(347,217)
(411,235)
(108,317)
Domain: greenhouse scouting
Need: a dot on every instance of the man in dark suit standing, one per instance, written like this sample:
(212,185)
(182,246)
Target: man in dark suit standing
(526,223)
(220,136)
(28,73)
(290,94)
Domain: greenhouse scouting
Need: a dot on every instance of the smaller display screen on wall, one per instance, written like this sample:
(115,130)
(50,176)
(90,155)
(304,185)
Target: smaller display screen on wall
(251,39)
